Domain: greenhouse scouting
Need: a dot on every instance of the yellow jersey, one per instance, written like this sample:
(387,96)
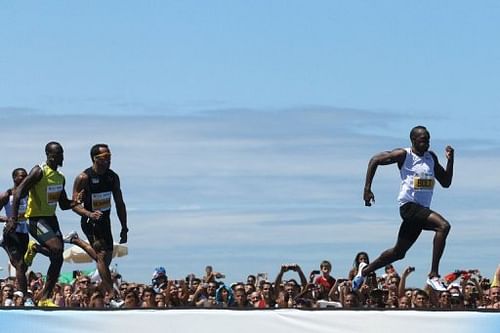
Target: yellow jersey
(44,196)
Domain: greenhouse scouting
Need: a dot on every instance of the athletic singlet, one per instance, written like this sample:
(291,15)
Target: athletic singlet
(99,192)
(22,226)
(417,179)
(44,196)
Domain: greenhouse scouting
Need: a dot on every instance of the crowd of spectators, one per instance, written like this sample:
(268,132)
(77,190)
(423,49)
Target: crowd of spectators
(466,290)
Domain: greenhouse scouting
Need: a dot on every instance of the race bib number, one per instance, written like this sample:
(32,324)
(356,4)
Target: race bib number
(423,182)
(53,194)
(101,201)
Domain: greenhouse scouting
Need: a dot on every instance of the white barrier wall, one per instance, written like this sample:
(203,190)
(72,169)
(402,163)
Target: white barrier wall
(233,321)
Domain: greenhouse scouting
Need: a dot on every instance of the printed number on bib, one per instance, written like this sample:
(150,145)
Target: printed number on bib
(101,201)
(53,194)
(423,183)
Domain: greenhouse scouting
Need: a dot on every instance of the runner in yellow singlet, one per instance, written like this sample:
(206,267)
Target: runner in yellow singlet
(45,186)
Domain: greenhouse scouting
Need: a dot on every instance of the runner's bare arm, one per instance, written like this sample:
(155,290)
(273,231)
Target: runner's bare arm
(444,176)
(384,158)
(121,210)
(79,194)
(65,203)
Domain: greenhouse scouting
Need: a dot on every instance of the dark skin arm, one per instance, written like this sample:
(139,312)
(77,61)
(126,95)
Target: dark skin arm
(121,210)
(303,280)
(444,176)
(22,190)
(34,177)
(4,198)
(65,203)
(79,185)
(279,280)
(384,158)
(81,182)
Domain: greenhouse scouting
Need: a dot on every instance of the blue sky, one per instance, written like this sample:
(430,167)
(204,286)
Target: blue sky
(242,130)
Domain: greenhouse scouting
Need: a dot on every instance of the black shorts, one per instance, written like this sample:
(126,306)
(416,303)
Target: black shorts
(99,234)
(43,228)
(15,244)
(414,218)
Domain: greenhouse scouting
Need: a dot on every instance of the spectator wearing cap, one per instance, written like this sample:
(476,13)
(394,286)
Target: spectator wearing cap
(159,279)
(18,299)
(457,298)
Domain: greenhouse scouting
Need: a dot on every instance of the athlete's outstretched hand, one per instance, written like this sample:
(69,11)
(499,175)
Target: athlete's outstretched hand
(123,235)
(368,197)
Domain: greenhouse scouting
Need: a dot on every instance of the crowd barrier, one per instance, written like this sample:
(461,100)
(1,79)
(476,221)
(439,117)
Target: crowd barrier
(243,321)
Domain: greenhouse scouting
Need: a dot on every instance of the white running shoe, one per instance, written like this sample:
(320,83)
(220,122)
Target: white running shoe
(436,283)
(358,280)
(70,237)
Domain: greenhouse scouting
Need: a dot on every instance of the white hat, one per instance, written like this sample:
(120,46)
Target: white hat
(18,293)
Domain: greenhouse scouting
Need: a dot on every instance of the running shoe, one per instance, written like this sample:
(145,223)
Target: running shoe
(30,253)
(436,283)
(358,280)
(47,303)
(70,237)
